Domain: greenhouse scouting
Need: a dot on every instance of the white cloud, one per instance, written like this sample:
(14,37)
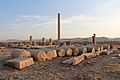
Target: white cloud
(72,26)
(25,22)
(105,21)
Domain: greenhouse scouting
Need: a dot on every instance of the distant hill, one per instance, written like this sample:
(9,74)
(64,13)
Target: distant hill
(115,39)
(98,39)
(76,39)
(89,39)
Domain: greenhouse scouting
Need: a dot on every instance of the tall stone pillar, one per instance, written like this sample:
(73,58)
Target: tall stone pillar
(58,27)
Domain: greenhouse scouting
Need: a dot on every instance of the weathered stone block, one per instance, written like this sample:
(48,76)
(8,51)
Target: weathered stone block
(74,60)
(20,63)
(89,55)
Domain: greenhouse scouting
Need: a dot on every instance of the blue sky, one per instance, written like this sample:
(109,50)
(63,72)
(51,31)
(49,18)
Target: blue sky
(79,18)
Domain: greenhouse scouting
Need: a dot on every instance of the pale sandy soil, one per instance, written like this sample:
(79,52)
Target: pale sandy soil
(100,68)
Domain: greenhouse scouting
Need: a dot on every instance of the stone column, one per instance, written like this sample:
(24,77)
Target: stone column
(31,40)
(43,41)
(50,41)
(94,39)
(34,43)
(58,27)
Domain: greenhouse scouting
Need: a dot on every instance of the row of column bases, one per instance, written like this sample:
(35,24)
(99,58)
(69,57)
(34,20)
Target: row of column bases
(58,42)
(43,41)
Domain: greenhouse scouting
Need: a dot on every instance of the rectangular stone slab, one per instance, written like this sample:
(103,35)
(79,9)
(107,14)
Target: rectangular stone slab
(89,55)
(20,63)
(74,60)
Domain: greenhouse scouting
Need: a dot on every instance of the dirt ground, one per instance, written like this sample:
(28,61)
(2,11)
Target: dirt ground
(104,67)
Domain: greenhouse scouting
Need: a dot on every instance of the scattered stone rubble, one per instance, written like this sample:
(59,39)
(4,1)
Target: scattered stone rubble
(24,58)
(20,63)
